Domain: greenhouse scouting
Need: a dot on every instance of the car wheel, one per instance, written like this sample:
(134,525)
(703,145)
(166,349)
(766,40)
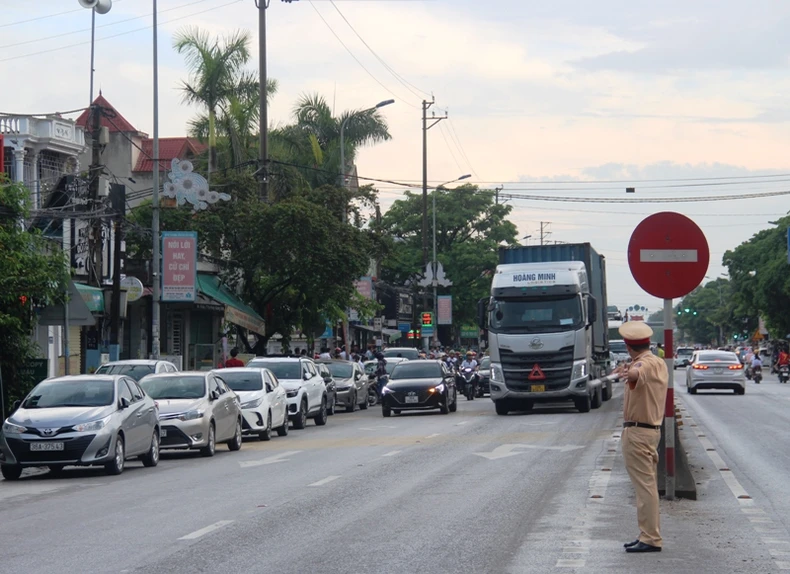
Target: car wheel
(352,406)
(454,404)
(501,407)
(266,434)
(211,445)
(115,466)
(235,443)
(331,408)
(740,391)
(583,404)
(151,458)
(300,419)
(320,419)
(445,408)
(692,391)
(597,400)
(386,412)
(11,471)
(364,404)
(283,430)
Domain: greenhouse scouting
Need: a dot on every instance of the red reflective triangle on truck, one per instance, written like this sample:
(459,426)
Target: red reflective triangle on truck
(536,374)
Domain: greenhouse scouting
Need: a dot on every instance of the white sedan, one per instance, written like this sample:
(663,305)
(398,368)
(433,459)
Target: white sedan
(263,402)
(715,370)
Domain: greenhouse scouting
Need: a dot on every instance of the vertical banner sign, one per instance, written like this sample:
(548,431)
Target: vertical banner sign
(179,266)
(445,309)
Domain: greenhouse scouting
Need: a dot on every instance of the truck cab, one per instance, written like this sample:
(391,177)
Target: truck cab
(539,319)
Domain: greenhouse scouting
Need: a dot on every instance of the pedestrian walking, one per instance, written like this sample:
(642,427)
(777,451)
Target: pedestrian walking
(646,381)
(233,361)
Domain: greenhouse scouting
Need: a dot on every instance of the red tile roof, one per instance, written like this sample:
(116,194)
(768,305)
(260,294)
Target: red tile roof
(169,149)
(121,124)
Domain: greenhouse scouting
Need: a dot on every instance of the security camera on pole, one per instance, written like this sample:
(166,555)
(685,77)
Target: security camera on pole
(668,256)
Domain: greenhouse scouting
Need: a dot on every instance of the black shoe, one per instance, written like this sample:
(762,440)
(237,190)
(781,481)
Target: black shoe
(642,547)
(630,544)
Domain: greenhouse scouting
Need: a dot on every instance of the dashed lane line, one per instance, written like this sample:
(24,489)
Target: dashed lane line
(207,530)
(392,453)
(324,481)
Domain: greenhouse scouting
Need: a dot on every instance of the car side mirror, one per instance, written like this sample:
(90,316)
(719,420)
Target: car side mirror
(17,405)
(327,379)
(482,310)
(269,388)
(306,376)
(123,403)
(213,396)
(592,309)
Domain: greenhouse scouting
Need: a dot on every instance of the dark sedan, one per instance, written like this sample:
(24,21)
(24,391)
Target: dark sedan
(484,386)
(419,385)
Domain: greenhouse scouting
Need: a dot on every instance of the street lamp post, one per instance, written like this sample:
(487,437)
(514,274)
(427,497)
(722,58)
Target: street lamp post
(343,142)
(434,267)
(95,6)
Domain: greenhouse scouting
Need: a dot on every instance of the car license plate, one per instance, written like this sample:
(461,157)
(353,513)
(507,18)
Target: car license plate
(412,399)
(163,433)
(538,388)
(46,446)
(717,371)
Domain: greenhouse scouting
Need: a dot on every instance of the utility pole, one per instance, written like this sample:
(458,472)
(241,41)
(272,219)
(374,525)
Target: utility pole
(96,244)
(544,232)
(263,154)
(118,195)
(155,243)
(496,193)
(425,127)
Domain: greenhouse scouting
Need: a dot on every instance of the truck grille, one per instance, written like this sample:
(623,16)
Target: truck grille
(557,367)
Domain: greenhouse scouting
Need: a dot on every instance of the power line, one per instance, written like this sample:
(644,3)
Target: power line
(406,84)
(447,143)
(119,34)
(644,200)
(355,58)
(51,114)
(460,146)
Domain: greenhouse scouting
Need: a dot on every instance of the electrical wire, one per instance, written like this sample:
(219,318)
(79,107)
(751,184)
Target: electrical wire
(406,84)
(458,143)
(643,200)
(357,60)
(119,34)
(48,116)
(450,149)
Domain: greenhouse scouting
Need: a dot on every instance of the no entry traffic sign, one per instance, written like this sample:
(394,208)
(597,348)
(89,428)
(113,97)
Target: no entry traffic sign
(668,255)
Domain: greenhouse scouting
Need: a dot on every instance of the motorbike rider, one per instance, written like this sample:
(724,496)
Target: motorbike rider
(470,363)
(381,372)
(783,360)
(757,365)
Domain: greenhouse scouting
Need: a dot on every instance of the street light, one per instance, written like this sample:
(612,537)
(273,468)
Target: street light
(95,6)
(433,264)
(342,136)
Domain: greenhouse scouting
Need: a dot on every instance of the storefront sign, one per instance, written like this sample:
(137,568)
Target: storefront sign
(179,266)
(445,308)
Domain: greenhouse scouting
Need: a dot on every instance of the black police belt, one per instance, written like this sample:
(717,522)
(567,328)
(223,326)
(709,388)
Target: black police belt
(641,425)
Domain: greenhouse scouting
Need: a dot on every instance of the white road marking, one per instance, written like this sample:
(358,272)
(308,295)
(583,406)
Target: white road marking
(208,529)
(282,457)
(507,450)
(392,453)
(463,423)
(565,563)
(324,481)
(434,435)
(376,428)
(668,255)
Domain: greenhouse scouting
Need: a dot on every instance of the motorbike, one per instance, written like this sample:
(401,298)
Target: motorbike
(749,373)
(758,375)
(468,382)
(784,373)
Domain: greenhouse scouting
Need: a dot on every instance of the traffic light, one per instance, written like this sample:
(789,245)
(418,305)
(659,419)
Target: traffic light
(23,300)
(427,319)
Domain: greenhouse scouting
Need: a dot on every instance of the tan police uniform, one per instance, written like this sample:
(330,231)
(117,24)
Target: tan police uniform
(644,408)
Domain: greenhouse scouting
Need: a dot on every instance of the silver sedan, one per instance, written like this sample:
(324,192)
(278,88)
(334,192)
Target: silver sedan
(715,370)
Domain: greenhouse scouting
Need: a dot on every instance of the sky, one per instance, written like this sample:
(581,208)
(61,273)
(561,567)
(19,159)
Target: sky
(557,99)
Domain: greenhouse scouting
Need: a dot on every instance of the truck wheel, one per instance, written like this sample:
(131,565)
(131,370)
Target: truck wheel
(606,393)
(597,400)
(501,407)
(583,405)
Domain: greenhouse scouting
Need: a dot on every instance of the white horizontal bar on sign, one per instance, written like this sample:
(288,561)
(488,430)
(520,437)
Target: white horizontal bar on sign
(668,255)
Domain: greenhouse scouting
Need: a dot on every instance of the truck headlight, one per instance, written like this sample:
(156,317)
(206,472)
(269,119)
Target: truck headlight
(579,370)
(497,375)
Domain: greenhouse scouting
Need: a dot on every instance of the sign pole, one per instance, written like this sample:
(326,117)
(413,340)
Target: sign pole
(669,413)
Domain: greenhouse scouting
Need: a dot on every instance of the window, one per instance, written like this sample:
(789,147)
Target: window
(281,369)
(271,379)
(124,392)
(536,315)
(341,370)
(416,370)
(213,385)
(244,380)
(310,369)
(137,394)
(137,372)
(175,387)
(72,393)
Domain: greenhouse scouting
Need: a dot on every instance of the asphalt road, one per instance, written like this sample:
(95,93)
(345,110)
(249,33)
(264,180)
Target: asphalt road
(466,492)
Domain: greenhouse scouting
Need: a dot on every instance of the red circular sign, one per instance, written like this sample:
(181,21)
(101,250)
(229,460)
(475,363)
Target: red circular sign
(668,255)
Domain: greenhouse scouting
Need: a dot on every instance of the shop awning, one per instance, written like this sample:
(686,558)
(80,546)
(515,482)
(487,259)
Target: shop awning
(236,311)
(79,313)
(93,297)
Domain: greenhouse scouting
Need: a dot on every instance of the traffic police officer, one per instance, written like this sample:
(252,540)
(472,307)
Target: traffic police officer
(643,412)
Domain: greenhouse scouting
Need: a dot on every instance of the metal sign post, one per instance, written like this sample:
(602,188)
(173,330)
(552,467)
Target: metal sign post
(669,411)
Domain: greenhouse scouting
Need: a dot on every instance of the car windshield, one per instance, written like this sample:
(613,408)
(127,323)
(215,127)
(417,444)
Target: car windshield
(688,352)
(617,347)
(243,381)
(536,315)
(485,363)
(179,387)
(416,370)
(340,370)
(137,372)
(717,358)
(411,354)
(282,369)
(74,393)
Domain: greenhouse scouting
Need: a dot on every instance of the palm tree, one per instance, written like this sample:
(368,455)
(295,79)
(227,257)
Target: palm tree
(216,74)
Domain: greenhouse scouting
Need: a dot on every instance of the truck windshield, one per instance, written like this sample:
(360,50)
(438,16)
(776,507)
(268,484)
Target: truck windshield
(536,315)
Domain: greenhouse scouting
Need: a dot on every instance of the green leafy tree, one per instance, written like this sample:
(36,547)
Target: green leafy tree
(711,314)
(33,273)
(470,227)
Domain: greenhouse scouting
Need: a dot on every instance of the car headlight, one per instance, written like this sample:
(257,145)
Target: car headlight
(341,389)
(191,415)
(386,390)
(11,428)
(252,404)
(437,389)
(93,425)
(579,370)
(291,394)
(497,375)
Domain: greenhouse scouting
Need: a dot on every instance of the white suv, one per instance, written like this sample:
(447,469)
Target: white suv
(304,387)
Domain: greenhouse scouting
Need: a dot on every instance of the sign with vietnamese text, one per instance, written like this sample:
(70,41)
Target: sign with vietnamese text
(179,266)
(445,310)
